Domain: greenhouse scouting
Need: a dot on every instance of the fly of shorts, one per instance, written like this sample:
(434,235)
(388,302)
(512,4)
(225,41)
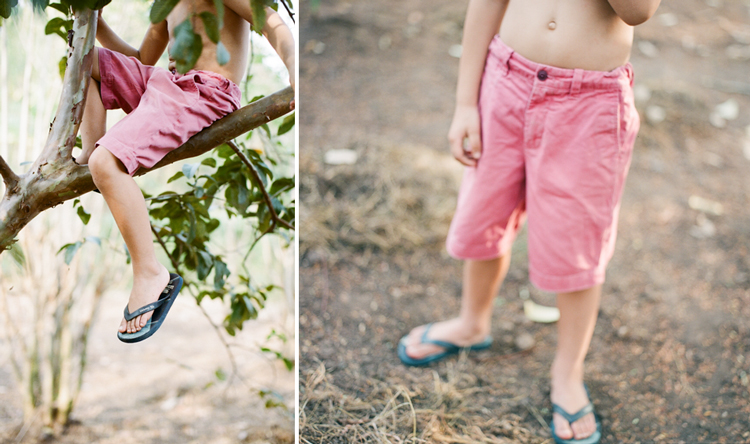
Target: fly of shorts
(556,148)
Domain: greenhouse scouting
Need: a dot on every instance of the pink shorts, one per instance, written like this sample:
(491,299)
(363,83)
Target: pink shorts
(164,108)
(556,147)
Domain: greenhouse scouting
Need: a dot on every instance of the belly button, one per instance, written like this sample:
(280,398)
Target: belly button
(552,25)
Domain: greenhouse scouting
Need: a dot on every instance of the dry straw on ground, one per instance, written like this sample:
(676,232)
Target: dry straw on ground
(394,413)
(356,206)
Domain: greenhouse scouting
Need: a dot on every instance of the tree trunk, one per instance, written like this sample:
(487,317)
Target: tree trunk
(3,92)
(23,126)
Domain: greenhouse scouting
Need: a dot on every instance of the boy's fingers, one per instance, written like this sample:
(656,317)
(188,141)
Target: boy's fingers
(475,144)
(459,153)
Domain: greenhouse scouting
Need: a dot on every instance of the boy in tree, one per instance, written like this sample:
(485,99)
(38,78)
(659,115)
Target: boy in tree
(545,124)
(164,110)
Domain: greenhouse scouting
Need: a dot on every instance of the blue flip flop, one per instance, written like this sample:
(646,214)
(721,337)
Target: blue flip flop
(160,308)
(588,408)
(450,349)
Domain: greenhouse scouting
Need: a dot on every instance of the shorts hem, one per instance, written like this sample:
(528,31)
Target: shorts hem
(121,152)
(566,284)
(462,255)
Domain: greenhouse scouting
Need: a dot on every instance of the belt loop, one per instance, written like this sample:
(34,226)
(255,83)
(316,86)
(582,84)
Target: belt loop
(575,86)
(507,62)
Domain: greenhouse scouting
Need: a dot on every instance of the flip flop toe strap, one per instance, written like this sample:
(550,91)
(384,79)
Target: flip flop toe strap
(446,345)
(145,309)
(575,416)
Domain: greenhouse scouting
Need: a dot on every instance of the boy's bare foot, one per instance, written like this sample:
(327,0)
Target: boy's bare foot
(572,397)
(455,331)
(147,288)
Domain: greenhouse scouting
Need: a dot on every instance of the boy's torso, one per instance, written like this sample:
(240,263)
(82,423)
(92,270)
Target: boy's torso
(585,34)
(235,36)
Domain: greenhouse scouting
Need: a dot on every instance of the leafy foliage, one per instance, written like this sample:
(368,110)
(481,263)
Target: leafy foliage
(6,7)
(187,46)
(183,222)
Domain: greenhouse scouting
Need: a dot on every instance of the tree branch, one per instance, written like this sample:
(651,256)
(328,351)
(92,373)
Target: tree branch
(259,182)
(9,177)
(45,186)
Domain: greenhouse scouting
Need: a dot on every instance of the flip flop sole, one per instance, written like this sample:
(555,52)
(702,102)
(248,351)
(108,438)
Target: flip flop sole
(153,324)
(407,360)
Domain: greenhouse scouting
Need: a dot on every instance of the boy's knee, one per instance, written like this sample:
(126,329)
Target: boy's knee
(103,163)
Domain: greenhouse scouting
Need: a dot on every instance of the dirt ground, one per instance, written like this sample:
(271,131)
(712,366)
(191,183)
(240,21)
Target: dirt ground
(670,357)
(166,390)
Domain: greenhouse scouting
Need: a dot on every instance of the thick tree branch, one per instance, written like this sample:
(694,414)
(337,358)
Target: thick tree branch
(260,185)
(9,177)
(44,188)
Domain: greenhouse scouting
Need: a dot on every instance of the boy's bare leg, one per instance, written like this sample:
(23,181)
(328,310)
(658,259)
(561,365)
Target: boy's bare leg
(94,122)
(126,203)
(578,313)
(481,282)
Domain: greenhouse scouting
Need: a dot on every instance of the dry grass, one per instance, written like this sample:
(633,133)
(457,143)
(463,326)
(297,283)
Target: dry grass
(394,197)
(446,411)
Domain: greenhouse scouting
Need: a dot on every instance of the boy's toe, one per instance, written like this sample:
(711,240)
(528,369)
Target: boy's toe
(123,326)
(562,428)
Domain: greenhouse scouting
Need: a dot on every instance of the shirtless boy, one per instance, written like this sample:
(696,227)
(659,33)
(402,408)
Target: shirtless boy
(164,110)
(545,124)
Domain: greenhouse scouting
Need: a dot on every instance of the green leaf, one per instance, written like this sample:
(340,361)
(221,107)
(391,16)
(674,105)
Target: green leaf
(220,374)
(286,125)
(219,5)
(187,47)
(59,26)
(70,251)
(222,55)
(161,9)
(60,7)
(220,273)
(281,185)
(6,7)
(98,4)
(211,25)
(85,217)
(189,169)
(16,252)
(94,239)
(205,264)
(176,176)
(259,15)
(209,161)
(62,66)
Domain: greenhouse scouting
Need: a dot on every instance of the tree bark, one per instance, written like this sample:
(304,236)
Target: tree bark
(54,178)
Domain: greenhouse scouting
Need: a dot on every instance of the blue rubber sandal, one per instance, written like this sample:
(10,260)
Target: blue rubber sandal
(450,349)
(160,308)
(589,408)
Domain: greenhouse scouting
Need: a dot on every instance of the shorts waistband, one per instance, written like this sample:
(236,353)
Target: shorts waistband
(200,75)
(559,79)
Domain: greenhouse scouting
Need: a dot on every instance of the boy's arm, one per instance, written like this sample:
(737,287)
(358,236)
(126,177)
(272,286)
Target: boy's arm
(483,19)
(276,31)
(152,47)
(634,12)
(280,37)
